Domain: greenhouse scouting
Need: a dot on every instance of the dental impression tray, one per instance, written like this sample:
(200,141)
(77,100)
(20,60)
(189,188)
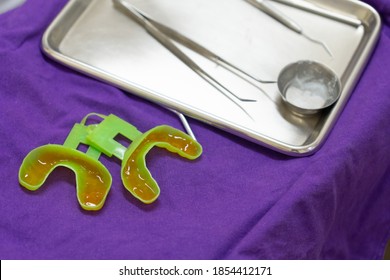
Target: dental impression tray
(93,180)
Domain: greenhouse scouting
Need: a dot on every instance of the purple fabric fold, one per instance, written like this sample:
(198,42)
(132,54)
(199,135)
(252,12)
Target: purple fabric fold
(238,201)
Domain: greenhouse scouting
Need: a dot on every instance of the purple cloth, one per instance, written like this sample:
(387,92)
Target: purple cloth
(238,201)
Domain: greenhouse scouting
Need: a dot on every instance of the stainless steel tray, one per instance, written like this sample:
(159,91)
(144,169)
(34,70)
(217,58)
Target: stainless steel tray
(93,37)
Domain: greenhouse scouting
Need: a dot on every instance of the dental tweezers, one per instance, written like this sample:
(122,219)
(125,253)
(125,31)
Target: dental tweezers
(164,35)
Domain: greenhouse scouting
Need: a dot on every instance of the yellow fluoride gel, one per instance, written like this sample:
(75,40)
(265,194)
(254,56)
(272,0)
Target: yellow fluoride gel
(135,175)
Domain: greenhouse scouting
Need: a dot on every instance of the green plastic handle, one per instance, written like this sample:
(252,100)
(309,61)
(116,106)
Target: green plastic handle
(103,136)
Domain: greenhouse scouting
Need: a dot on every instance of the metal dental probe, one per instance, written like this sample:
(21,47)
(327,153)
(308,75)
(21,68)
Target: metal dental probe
(286,21)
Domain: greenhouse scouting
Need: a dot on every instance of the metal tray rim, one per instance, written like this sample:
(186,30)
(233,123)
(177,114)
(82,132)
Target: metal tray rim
(263,140)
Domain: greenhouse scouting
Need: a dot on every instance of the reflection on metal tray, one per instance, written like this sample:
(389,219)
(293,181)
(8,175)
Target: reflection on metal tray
(95,38)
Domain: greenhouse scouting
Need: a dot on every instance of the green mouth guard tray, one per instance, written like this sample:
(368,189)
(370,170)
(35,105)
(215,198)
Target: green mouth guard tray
(136,177)
(93,181)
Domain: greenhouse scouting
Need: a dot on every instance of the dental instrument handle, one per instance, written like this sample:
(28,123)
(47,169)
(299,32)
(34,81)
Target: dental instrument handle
(166,42)
(286,21)
(276,14)
(194,46)
(310,7)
